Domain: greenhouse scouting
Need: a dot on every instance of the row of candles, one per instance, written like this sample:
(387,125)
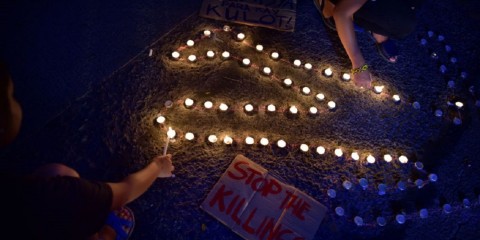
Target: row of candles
(281,143)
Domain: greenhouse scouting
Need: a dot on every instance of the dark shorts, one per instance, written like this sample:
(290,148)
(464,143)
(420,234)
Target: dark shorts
(393,18)
(57,207)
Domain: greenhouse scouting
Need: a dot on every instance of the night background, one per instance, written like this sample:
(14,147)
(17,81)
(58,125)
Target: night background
(91,94)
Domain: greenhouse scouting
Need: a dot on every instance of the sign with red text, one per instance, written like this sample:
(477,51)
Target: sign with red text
(276,14)
(256,205)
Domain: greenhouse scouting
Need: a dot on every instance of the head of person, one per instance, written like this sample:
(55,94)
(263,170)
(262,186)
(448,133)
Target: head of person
(10,110)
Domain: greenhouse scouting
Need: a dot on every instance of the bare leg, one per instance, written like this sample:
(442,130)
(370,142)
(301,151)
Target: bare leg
(55,169)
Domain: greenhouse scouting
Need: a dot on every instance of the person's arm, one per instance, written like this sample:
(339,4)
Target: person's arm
(343,15)
(135,184)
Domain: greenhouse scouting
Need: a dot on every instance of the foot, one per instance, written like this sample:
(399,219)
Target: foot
(325,8)
(380,39)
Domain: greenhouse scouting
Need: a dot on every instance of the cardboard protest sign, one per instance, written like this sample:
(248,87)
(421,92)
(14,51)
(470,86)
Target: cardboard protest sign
(256,205)
(276,14)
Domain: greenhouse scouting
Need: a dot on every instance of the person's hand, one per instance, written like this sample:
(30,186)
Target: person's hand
(363,79)
(165,165)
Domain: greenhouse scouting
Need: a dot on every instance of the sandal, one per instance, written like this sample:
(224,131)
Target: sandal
(329,22)
(387,49)
(122,221)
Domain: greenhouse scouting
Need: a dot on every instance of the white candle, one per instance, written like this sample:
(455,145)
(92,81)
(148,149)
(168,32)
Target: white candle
(293,110)
(328,72)
(387,158)
(459,105)
(227,140)
(396,98)
(249,140)
(355,156)
(240,36)
(227,28)
(332,105)
(313,110)
(212,138)
(223,107)
(321,150)
(297,63)
(170,134)
(275,55)
(175,55)
(208,104)
(210,54)
(259,47)
(338,152)
(246,62)
(271,108)
(308,66)
(160,119)
(190,43)
(306,90)
(207,33)
(370,159)
(150,53)
(378,89)
(264,141)
(189,136)
(188,102)
(346,76)
(281,143)
(320,97)
(403,159)
(248,107)
(267,70)
(192,58)
(225,55)
(304,147)
(287,82)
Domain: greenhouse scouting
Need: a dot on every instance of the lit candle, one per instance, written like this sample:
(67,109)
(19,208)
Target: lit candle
(246,62)
(267,70)
(170,134)
(210,54)
(207,33)
(259,47)
(189,136)
(370,159)
(225,55)
(304,147)
(387,158)
(271,108)
(240,36)
(208,104)
(306,90)
(328,72)
(355,156)
(313,110)
(264,141)
(297,63)
(293,110)
(346,76)
(160,119)
(321,150)
(308,66)
(396,98)
(275,55)
(190,43)
(281,143)
(248,107)
(459,105)
(378,89)
(320,97)
(192,58)
(249,140)
(227,140)
(212,138)
(332,105)
(338,152)
(175,55)
(188,102)
(403,159)
(287,82)
(223,107)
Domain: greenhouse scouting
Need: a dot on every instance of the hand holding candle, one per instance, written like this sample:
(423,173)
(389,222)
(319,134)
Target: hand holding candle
(170,134)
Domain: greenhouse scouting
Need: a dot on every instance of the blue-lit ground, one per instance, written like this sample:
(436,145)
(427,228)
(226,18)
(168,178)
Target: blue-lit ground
(91,93)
